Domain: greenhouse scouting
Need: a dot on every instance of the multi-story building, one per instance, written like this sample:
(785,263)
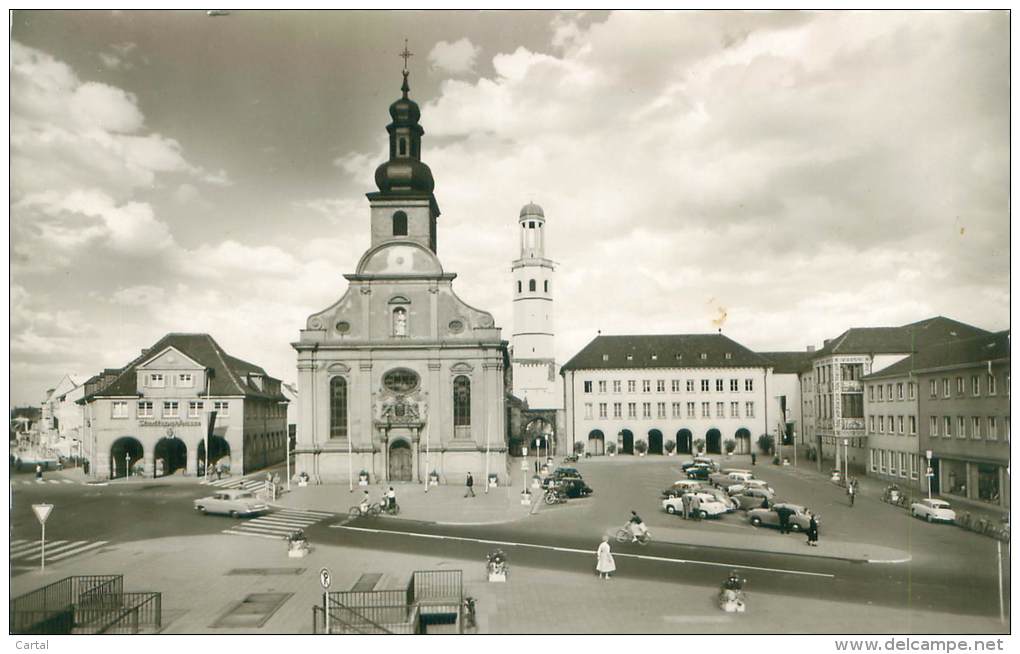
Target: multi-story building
(683,387)
(963,411)
(891,424)
(839,367)
(61,425)
(784,385)
(154,414)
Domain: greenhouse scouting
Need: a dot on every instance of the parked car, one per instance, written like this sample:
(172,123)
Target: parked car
(760,484)
(570,486)
(744,471)
(233,502)
(709,506)
(933,510)
(751,498)
(682,486)
(722,496)
(699,472)
(700,460)
(562,472)
(799,518)
(726,482)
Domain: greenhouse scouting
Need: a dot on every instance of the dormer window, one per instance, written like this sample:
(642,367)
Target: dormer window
(679,357)
(729,355)
(256,381)
(703,356)
(605,357)
(630,357)
(655,357)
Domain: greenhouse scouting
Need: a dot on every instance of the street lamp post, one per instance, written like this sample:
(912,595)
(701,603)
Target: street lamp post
(928,472)
(127,465)
(287,435)
(846,460)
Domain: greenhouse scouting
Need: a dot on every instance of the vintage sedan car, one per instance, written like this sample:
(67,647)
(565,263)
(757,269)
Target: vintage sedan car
(751,498)
(563,472)
(722,496)
(232,502)
(699,472)
(800,517)
(933,510)
(760,484)
(700,460)
(682,486)
(571,487)
(726,482)
(709,506)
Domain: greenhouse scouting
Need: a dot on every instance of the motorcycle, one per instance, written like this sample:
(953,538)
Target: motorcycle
(297,545)
(554,496)
(731,598)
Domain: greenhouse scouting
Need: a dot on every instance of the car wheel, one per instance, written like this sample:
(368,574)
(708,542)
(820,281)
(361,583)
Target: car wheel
(755,521)
(913,513)
(670,509)
(233,514)
(928,517)
(201,509)
(702,514)
(794,526)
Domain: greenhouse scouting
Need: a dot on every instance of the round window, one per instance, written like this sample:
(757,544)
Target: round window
(343,327)
(456,326)
(400,380)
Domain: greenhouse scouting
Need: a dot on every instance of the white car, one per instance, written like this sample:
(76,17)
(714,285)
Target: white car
(232,502)
(933,510)
(760,484)
(709,505)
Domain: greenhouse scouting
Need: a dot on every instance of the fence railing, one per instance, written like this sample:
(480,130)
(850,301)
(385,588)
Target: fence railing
(137,612)
(29,612)
(442,586)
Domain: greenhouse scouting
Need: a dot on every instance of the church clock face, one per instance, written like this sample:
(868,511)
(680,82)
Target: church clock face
(400,380)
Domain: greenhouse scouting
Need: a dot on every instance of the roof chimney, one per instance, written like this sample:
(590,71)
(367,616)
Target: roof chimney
(826,342)
(810,348)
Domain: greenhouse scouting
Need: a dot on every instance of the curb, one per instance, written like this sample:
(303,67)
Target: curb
(798,554)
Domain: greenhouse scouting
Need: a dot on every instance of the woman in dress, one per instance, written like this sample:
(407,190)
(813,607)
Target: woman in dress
(812,532)
(606,564)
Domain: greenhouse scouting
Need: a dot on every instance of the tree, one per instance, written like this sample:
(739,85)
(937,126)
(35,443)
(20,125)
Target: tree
(730,445)
(669,446)
(699,445)
(578,447)
(640,446)
(765,443)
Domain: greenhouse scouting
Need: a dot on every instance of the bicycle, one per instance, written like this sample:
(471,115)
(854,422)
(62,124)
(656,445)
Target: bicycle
(356,512)
(624,535)
(383,507)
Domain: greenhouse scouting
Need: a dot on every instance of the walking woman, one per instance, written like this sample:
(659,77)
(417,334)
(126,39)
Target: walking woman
(606,565)
(812,532)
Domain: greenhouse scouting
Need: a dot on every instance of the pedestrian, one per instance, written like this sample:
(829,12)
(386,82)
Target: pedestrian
(685,499)
(605,565)
(219,471)
(765,502)
(812,532)
(850,490)
(696,506)
(38,471)
(470,483)
(391,499)
(754,458)
(784,519)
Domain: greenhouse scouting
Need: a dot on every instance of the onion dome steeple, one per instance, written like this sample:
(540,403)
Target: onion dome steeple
(404,172)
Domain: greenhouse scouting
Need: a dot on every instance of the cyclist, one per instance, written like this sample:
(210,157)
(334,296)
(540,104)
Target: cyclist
(637,527)
(391,499)
(365,504)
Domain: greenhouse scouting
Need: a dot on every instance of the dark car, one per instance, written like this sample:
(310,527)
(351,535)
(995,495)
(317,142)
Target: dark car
(574,488)
(563,472)
(698,472)
(700,460)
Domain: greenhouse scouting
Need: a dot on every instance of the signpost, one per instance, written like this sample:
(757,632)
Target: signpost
(929,473)
(42,511)
(325,580)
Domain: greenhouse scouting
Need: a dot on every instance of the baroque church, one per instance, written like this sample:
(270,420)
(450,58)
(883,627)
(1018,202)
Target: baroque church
(400,379)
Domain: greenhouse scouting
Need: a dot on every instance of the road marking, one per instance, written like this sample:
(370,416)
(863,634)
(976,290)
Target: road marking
(81,550)
(254,534)
(70,545)
(322,514)
(20,547)
(283,521)
(580,551)
(269,528)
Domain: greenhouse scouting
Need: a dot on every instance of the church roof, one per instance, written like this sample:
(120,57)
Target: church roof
(665,351)
(229,375)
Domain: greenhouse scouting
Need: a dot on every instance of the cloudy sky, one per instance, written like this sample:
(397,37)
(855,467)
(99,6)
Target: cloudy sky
(782,176)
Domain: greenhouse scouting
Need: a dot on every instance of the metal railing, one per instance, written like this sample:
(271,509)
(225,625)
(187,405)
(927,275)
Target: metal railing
(45,609)
(436,586)
(136,612)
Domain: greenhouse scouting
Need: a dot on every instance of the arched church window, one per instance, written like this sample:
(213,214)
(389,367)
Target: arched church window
(338,408)
(520,286)
(400,224)
(461,401)
(402,147)
(547,286)
(531,285)
(400,321)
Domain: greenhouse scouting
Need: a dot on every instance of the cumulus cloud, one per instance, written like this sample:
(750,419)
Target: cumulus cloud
(456,58)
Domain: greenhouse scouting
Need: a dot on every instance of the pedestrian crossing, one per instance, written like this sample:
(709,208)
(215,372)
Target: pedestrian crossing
(25,482)
(278,524)
(256,483)
(56,550)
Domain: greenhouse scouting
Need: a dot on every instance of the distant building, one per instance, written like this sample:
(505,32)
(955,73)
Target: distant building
(153,413)
(891,429)
(681,387)
(61,424)
(784,392)
(839,428)
(964,414)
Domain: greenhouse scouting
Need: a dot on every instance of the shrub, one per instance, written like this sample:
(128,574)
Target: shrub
(730,445)
(699,445)
(640,446)
(765,443)
(611,447)
(669,446)
(578,447)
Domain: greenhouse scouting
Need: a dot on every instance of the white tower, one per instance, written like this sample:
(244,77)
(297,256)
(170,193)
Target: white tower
(536,377)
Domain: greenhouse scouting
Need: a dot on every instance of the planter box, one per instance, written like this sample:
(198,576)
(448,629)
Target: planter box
(497,577)
(362,482)
(493,481)
(526,498)
(302,483)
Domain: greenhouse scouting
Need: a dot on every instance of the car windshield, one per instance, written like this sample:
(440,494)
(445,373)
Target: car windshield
(244,496)
(939,505)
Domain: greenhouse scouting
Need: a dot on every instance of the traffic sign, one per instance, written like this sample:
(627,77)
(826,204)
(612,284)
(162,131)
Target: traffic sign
(930,473)
(324,578)
(42,511)
(524,466)
(927,454)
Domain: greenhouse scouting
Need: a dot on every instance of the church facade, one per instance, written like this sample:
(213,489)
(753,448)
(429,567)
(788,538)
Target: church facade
(400,379)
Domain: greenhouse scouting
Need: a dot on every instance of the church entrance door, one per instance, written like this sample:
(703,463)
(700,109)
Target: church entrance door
(400,461)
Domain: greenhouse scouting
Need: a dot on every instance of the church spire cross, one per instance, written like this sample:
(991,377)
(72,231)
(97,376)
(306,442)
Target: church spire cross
(405,55)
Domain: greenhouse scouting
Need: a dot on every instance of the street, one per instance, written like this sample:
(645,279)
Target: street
(949,570)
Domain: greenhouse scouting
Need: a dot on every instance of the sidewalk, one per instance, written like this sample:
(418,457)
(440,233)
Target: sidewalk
(442,504)
(192,574)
